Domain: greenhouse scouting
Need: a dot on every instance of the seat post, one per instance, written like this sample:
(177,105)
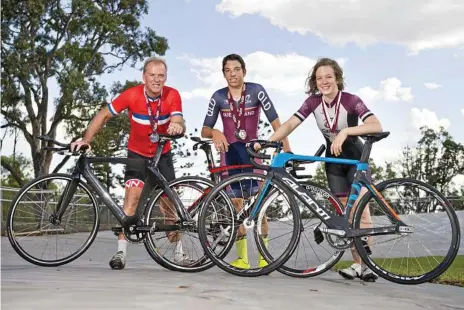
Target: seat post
(366,153)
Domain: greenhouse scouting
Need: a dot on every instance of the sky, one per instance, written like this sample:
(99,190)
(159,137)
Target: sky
(404,59)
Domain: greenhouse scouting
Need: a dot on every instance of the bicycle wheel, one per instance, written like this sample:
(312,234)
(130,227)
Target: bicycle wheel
(178,250)
(423,209)
(236,195)
(312,256)
(31,223)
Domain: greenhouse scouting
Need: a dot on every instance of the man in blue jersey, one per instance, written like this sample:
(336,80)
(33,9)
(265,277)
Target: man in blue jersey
(240,105)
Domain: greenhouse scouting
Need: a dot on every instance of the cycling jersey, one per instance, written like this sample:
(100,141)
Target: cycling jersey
(340,177)
(135,101)
(256,97)
(351,109)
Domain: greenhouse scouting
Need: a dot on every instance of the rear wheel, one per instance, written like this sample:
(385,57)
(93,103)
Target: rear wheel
(431,245)
(313,256)
(178,250)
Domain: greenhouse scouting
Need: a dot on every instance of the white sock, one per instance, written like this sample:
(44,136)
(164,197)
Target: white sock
(122,246)
(179,249)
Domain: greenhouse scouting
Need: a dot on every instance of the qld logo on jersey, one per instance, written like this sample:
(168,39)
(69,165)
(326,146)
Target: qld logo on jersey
(211,105)
(265,101)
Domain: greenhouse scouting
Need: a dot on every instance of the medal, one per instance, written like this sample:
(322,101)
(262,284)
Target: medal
(238,114)
(332,136)
(241,134)
(332,123)
(154,136)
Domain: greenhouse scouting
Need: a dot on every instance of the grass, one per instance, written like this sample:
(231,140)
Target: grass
(454,275)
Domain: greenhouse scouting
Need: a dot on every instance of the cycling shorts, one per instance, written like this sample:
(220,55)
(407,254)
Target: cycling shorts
(237,155)
(137,171)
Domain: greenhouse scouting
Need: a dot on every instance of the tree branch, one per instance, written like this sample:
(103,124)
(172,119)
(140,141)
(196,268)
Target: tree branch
(6,164)
(19,123)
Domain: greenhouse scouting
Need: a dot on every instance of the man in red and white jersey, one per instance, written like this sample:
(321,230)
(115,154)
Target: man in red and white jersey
(153,109)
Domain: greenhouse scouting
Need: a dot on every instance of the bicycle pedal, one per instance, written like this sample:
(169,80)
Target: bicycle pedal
(143,228)
(318,236)
(116,230)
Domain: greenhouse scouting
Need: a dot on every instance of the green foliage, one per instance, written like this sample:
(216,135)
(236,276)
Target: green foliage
(70,44)
(437,159)
(15,170)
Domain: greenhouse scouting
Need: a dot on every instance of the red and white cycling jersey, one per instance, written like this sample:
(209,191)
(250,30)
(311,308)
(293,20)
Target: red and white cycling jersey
(135,100)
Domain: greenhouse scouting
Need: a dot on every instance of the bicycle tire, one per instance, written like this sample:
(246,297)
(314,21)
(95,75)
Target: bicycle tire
(9,222)
(202,264)
(311,271)
(401,279)
(219,189)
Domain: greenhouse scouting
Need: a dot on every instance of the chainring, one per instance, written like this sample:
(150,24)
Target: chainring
(134,238)
(339,243)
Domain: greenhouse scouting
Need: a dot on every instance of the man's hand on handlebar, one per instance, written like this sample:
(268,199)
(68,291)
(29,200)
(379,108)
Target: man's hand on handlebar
(77,145)
(175,128)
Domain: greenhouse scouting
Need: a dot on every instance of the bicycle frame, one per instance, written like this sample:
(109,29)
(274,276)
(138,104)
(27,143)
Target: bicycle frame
(338,225)
(83,169)
(215,171)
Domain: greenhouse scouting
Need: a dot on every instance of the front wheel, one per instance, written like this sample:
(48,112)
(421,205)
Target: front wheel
(275,226)
(424,250)
(35,232)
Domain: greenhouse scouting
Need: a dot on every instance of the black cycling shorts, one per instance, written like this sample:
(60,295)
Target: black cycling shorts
(137,171)
(339,176)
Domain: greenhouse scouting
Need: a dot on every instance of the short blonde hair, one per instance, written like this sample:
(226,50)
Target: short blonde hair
(154,59)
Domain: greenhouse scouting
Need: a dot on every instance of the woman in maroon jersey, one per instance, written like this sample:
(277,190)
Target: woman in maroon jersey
(337,114)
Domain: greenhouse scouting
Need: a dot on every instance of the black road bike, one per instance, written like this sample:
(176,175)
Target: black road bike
(61,212)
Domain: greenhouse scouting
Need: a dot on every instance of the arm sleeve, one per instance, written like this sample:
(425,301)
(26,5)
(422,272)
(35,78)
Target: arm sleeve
(267,105)
(212,112)
(176,104)
(358,108)
(120,103)
(305,110)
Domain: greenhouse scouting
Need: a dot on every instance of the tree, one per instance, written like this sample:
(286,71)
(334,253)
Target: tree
(70,43)
(15,172)
(381,173)
(320,176)
(437,159)
(456,197)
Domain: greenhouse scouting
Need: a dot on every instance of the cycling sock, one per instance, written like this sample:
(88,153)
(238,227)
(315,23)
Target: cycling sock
(242,249)
(122,246)
(179,249)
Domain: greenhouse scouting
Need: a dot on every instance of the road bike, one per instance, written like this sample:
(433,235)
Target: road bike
(61,206)
(311,257)
(398,209)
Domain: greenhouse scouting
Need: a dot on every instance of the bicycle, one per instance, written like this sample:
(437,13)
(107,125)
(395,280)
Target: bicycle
(293,267)
(78,195)
(345,230)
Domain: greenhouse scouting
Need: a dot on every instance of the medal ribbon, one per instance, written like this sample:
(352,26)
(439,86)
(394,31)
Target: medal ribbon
(154,124)
(332,125)
(238,115)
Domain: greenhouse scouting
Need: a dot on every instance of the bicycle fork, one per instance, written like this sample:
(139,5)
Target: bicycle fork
(64,201)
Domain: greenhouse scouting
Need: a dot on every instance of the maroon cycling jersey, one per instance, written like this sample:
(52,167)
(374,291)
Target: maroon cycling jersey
(256,98)
(351,108)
